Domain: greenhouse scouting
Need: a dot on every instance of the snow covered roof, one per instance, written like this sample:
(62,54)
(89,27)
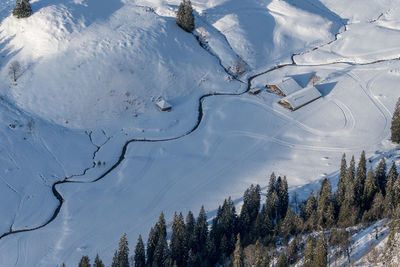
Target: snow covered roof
(301,98)
(286,87)
(163,105)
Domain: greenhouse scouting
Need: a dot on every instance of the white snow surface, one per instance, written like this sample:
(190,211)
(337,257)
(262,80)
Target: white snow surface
(91,71)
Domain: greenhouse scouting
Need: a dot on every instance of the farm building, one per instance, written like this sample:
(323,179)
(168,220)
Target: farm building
(285,88)
(163,105)
(300,98)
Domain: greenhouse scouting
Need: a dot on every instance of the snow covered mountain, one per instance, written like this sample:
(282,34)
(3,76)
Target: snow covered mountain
(90,72)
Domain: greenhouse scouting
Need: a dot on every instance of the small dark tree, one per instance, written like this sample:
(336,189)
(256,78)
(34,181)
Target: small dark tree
(185,17)
(22,9)
(15,69)
(395,128)
(140,257)
(85,262)
(321,252)
(98,262)
(282,261)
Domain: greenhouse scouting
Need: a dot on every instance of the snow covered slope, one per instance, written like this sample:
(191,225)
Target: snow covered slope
(91,71)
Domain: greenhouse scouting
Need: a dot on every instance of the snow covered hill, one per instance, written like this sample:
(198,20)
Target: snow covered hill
(91,70)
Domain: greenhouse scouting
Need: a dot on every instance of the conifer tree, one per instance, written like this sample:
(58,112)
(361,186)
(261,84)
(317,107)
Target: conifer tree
(201,233)
(185,17)
(264,226)
(370,189)
(84,262)
(140,255)
(380,175)
(342,181)
(395,128)
(161,254)
(238,254)
(98,262)
(283,195)
(289,225)
(292,251)
(115,262)
(151,246)
(248,213)
(310,213)
(360,178)
(178,241)
(282,260)
(63,265)
(389,198)
(123,252)
(189,232)
(321,252)
(309,252)
(325,209)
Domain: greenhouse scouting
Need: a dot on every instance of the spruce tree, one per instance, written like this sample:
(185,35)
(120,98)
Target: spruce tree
(238,254)
(309,213)
(123,252)
(249,213)
(201,233)
(380,175)
(151,246)
(161,254)
(389,198)
(321,252)
(185,17)
(292,251)
(264,226)
(115,262)
(84,262)
(289,225)
(370,189)
(98,262)
(325,209)
(22,9)
(360,178)
(178,241)
(395,128)
(309,252)
(189,232)
(282,260)
(140,255)
(341,187)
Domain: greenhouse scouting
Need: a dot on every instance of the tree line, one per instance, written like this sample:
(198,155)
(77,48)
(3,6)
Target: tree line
(253,235)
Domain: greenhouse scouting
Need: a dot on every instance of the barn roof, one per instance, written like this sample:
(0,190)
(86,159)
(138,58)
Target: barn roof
(301,97)
(163,105)
(289,86)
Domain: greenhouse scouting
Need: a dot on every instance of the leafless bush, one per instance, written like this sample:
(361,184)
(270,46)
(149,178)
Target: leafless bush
(15,70)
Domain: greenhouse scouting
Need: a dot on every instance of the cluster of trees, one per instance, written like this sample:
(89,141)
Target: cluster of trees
(22,9)
(185,17)
(252,236)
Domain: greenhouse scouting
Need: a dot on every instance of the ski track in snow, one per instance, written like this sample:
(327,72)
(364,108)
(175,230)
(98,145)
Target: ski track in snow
(347,113)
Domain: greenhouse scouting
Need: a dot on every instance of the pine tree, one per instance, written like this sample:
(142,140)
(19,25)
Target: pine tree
(395,128)
(282,260)
(84,262)
(140,255)
(151,246)
(321,252)
(309,213)
(264,226)
(161,254)
(249,213)
(309,252)
(370,189)
(189,232)
(389,198)
(289,225)
(201,233)
(283,195)
(342,181)
(238,254)
(22,9)
(359,181)
(98,262)
(380,175)
(325,209)
(178,241)
(115,262)
(185,17)
(123,252)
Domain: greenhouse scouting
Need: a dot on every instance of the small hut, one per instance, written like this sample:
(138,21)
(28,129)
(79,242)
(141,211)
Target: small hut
(163,105)
(285,88)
